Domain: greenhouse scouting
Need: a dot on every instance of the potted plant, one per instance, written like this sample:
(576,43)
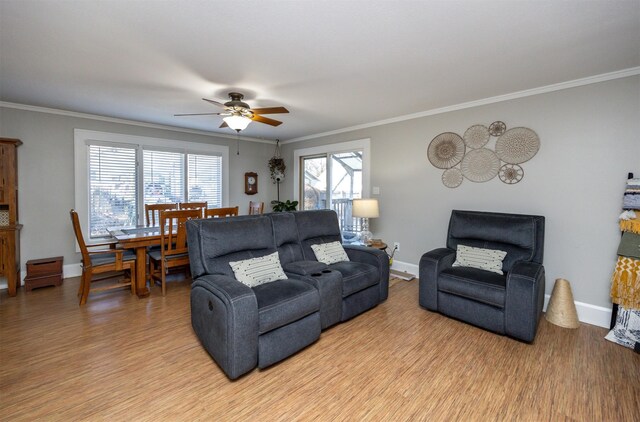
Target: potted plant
(277,167)
(279,206)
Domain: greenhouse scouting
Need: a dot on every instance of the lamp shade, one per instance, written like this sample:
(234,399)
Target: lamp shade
(237,122)
(365,208)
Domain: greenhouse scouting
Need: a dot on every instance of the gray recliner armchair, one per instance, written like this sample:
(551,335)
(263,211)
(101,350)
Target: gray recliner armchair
(508,304)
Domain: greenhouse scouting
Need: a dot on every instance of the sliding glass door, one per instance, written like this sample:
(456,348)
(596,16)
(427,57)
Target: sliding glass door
(333,181)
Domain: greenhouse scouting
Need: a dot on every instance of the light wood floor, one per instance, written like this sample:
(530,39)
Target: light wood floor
(122,358)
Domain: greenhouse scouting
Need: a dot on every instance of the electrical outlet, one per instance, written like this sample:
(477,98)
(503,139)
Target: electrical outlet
(396,246)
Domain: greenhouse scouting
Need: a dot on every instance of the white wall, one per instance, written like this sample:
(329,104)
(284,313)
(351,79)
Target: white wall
(46,175)
(590,140)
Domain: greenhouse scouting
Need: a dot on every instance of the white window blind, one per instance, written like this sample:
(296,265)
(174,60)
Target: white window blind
(164,179)
(205,179)
(112,188)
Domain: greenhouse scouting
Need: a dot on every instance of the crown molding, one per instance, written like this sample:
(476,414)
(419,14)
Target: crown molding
(68,113)
(476,103)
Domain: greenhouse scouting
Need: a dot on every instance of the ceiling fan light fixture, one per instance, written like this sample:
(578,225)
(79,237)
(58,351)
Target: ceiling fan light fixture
(237,122)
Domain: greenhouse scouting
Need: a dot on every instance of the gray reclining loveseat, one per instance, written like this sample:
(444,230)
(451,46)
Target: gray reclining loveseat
(243,327)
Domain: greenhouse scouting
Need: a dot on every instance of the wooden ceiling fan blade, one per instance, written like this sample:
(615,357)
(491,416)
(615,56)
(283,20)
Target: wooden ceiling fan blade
(266,120)
(219,104)
(270,110)
(198,114)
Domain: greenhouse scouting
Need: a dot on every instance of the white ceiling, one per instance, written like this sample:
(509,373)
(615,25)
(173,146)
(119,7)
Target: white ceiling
(333,64)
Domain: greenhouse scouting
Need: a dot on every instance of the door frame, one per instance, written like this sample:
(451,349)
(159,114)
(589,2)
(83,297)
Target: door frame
(360,144)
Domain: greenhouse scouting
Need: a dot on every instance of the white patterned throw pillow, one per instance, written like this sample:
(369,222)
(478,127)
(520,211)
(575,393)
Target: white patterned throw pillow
(256,271)
(627,329)
(329,253)
(483,259)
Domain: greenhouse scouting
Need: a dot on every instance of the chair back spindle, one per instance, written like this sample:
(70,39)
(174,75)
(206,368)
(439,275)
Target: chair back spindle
(221,212)
(152,213)
(256,208)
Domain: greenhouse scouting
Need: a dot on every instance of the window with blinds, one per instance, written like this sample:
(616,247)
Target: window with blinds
(205,179)
(164,180)
(112,188)
(118,188)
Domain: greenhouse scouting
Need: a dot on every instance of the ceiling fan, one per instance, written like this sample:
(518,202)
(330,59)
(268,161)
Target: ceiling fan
(238,114)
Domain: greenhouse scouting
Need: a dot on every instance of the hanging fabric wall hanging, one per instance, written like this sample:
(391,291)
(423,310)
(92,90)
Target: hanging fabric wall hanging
(470,157)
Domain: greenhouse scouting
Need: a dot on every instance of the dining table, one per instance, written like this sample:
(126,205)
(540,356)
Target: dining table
(138,239)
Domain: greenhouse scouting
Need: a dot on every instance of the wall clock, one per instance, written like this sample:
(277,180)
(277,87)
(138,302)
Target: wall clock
(251,183)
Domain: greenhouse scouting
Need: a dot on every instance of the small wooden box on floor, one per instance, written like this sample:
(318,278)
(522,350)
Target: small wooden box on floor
(43,272)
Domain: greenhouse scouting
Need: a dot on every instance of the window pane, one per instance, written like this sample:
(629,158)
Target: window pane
(112,188)
(205,179)
(315,183)
(163,177)
(346,185)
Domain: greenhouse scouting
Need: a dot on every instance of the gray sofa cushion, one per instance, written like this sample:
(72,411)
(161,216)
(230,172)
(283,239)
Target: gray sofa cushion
(234,237)
(521,236)
(319,226)
(480,285)
(283,302)
(285,234)
(356,276)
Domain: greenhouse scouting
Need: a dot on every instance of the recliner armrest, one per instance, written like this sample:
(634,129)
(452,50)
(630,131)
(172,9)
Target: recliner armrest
(224,315)
(524,299)
(375,257)
(431,264)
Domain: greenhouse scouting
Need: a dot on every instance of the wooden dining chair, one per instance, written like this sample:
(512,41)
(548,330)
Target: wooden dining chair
(173,244)
(193,206)
(256,207)
(221,212)
(152,212)
(103,263)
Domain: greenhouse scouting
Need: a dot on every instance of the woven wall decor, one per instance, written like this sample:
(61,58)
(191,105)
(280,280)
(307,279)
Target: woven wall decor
(480,165)
(470,156)
(452,177)
(511,173)
(446,150)
(497,128)
(476,136)
(517,145)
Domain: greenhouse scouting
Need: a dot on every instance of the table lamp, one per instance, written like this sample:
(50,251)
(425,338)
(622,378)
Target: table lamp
(365,209)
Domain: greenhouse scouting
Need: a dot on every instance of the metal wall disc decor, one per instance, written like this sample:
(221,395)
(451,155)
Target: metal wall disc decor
(517,145)
(511,174)
(480,165)
(446,150)
(476,136)
(497,128)
(452,177)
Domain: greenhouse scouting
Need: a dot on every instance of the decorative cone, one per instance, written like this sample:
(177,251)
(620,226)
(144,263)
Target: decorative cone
(561,310)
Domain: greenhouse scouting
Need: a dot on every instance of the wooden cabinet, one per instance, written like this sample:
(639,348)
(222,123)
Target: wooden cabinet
(9,226)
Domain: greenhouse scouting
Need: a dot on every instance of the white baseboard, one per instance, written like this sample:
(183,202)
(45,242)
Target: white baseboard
(406,267)
(71,270)
(587,313)
(68,270)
